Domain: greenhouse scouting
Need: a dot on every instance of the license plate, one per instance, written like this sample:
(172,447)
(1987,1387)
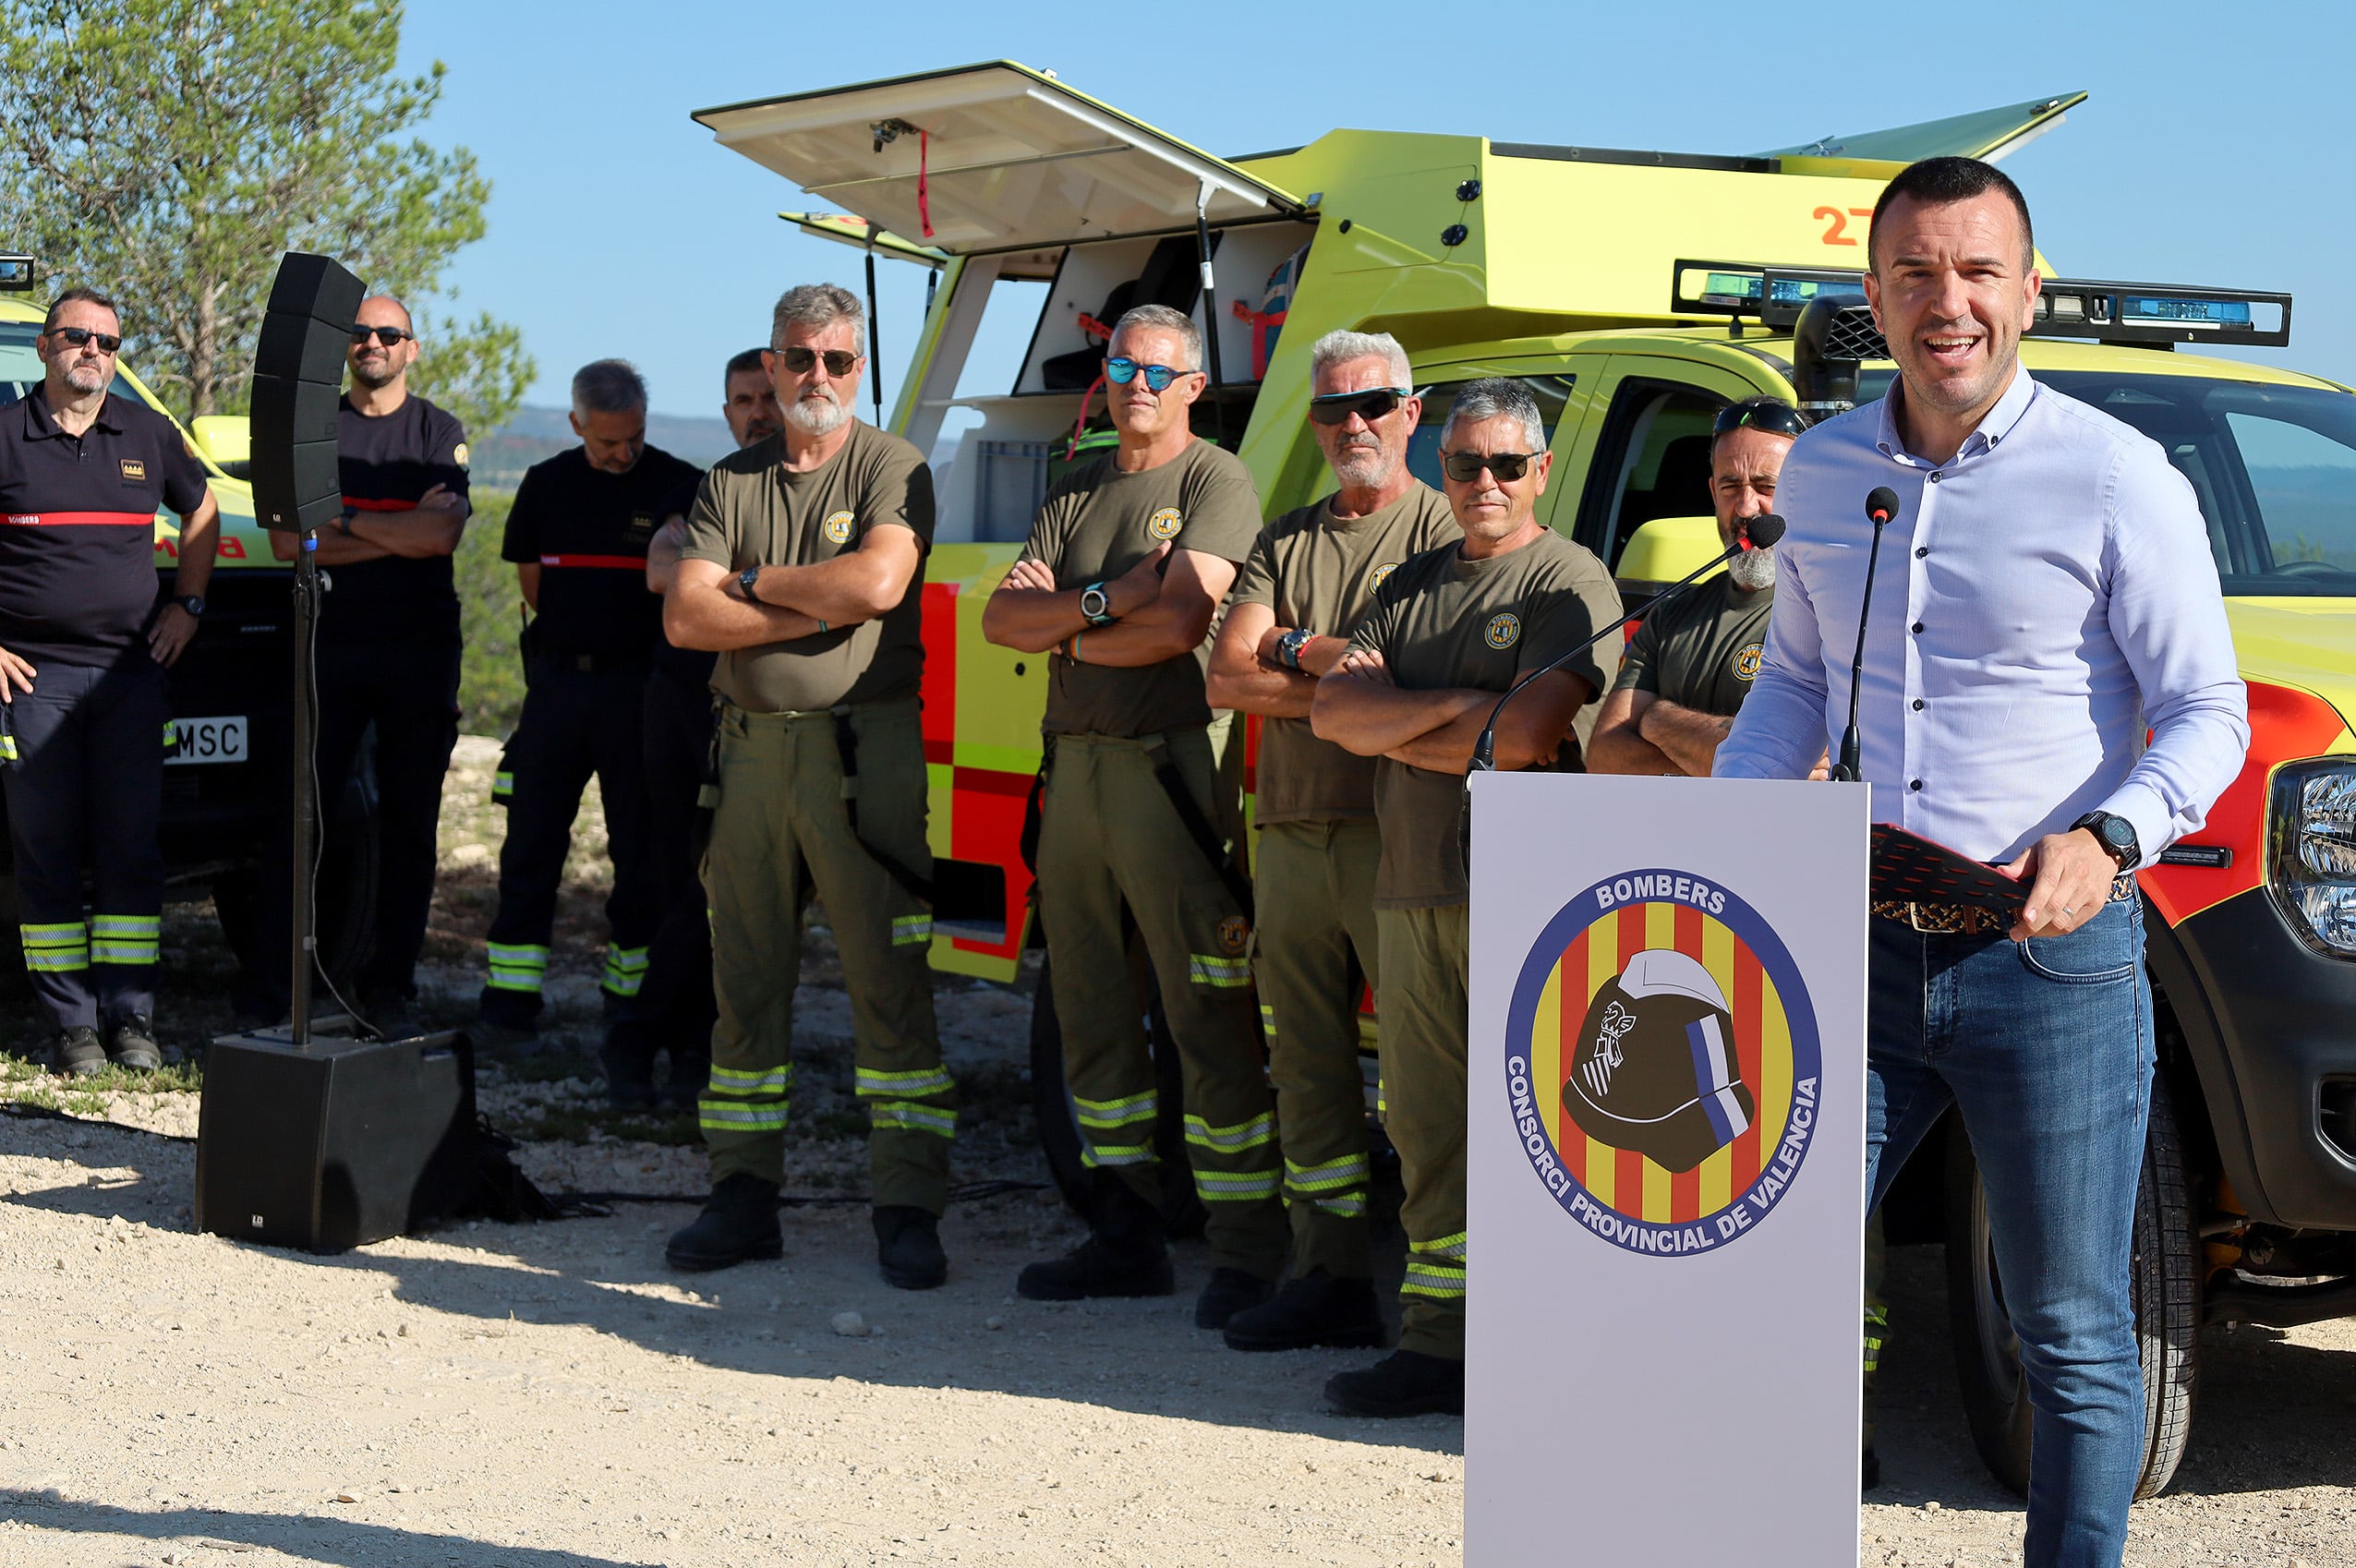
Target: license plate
(208,740)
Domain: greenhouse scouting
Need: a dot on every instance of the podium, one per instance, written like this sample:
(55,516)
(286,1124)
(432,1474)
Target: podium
(1666,1171)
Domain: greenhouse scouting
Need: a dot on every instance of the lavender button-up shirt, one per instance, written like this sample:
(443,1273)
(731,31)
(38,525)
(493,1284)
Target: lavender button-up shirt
(2043,599)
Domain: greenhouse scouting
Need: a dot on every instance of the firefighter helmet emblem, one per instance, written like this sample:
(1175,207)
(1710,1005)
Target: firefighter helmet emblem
(1166,523)
(1503,630)
(1235,935)
(1662,1063)
(836,527)
(1746,660)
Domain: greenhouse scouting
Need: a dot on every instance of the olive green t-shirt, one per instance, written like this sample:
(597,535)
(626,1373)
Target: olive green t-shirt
(1702,651)
(752,511)
(1316,571)
(1442,620)
(1096,523)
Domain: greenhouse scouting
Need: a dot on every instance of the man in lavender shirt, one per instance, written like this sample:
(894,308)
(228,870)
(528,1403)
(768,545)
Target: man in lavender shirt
(2045,595)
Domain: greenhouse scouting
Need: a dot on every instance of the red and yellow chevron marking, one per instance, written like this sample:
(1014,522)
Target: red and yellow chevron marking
(1637,1187)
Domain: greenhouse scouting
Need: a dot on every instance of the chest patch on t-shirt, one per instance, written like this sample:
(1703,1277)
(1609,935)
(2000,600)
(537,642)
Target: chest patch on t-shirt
(1746,660)
(1166,523)
(1381,574)
(836,527)
(134,471)
(642,527)
(1503,630)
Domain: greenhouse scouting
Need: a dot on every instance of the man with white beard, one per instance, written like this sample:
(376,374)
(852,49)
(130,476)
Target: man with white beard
(1689,667)
(802,568)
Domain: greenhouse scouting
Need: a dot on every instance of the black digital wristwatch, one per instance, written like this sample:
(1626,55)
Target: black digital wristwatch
(2115,833)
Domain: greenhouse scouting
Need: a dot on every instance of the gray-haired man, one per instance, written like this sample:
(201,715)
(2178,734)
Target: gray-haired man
(577,533)
(1309,580)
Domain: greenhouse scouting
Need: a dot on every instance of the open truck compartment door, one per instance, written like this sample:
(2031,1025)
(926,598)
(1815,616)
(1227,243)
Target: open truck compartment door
(991,158)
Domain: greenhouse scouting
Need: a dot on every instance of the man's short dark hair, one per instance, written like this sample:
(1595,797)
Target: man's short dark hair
(79,297)
(739,363)
(1938,181)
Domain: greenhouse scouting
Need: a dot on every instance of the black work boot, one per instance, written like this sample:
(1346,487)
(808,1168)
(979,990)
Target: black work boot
(1227,1292)
(1405,1382)
(1124,1254)
(1314,1308)
(738,1225)
(908,1247)
(629,1063)
(132,1045)
(79,1051)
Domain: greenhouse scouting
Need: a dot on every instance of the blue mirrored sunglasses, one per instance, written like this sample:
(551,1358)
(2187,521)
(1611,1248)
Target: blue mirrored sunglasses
(1120,372)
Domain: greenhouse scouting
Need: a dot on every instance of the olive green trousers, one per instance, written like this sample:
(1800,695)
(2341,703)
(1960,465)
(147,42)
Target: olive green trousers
(1420,1010)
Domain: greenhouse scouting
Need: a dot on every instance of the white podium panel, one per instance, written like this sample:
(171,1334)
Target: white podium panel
(1666,1169)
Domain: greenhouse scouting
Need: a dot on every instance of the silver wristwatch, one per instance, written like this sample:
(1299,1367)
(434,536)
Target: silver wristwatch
(1288,646)
(1095,606)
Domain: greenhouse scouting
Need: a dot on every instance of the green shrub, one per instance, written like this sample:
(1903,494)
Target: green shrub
(490,681)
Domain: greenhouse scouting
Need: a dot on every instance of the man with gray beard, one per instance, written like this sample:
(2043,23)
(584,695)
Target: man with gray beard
(1689,667)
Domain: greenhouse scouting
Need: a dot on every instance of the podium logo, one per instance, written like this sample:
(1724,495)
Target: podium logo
(1662,1063)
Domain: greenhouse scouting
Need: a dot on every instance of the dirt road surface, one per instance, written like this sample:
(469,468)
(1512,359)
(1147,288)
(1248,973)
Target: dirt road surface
(537,1396)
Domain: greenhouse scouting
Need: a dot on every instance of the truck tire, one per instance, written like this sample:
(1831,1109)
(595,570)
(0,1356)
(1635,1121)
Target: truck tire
(1182,1212)
(2165,1277)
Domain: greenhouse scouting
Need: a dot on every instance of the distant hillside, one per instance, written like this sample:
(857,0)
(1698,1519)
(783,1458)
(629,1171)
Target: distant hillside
(535,434)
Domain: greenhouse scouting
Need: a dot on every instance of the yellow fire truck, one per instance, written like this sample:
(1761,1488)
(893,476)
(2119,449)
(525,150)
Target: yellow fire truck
(1636,294)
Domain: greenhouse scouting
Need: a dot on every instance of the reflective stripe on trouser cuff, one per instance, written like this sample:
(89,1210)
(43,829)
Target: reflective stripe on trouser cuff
(1257,1133)
(734,1116)
(1235,1187)
(503,785)
(911,930)
(751,1083)
(1268,1020)
(7,748)
(1115,1155)
(53,947)
(915,1117)
(626,970)
(124,939)
(874,1084)
(517,968)
(1337,1186)
(1106,1115)
(1435,1268)
(1204,969)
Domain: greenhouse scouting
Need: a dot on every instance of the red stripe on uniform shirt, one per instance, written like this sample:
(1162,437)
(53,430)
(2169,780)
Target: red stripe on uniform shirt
(78,519)
(607,562)
(381,503)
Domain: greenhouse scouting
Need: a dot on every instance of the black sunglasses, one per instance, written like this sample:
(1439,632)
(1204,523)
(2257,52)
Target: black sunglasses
(1464,468)
(391,337)
(1775,419)
(1335,408)
(76,336)
(797,361)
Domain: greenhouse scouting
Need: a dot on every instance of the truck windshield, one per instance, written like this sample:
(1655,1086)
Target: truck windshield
(20,368)
(2274,468)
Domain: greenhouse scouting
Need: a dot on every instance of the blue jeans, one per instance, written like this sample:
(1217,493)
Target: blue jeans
(2046,1048)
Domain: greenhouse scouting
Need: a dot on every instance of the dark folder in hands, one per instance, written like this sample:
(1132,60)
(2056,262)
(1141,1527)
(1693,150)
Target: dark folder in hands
(1910,869)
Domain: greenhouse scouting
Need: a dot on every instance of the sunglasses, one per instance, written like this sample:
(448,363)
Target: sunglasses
(1335,408)
(1464,468)
(1120,372)
(391,337)
(798,361)
(1775,419)
(76,336)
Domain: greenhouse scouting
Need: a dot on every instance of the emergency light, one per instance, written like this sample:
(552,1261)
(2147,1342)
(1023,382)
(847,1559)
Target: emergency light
(16,273)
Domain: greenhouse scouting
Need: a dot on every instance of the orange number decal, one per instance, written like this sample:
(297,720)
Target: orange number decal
(1839,220)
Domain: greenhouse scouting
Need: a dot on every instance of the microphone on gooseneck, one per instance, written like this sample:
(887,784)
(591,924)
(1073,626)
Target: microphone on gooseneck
(1881,506)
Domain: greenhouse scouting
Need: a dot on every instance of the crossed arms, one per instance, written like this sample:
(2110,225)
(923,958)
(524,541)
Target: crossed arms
(1161,608)
(1361,709)
(709,608)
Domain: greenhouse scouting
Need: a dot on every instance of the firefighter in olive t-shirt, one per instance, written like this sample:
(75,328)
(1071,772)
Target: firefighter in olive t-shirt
(1310,578)
(1450,631)
(1125,567)
(804,567)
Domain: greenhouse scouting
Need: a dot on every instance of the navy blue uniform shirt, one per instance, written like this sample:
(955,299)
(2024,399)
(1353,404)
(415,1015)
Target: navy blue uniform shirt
(387,462)
(588,530)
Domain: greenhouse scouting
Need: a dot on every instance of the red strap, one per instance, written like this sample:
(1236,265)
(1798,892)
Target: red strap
(1090,327)
(1080,424)
(923,200)
(381,503)
(79,519)
(606,563)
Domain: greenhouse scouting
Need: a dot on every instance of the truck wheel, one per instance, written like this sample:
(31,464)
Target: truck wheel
(1182,1212)
(2165,1278)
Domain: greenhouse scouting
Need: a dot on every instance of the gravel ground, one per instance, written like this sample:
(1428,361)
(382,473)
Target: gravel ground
(546,1395)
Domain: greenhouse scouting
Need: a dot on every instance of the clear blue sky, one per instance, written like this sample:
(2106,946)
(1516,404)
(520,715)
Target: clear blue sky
(2213,149)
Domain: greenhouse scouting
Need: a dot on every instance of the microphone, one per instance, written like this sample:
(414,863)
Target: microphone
(1762,531)
(1881,506)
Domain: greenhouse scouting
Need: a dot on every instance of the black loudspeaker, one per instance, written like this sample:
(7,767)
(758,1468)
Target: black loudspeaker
(334,1145)
(298,374)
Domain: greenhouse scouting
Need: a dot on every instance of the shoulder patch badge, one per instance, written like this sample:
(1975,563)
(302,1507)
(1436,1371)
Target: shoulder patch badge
(1746,660)
(1166,523)
(1503,630)
(134,471)
(1235,935)
(836,527)
(1381,574)
(458,455)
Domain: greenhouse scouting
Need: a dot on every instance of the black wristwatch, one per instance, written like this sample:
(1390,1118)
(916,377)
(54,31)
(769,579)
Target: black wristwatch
(192,603)
(1095,606)
(2115,833)
(745,579)
(1288,646)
